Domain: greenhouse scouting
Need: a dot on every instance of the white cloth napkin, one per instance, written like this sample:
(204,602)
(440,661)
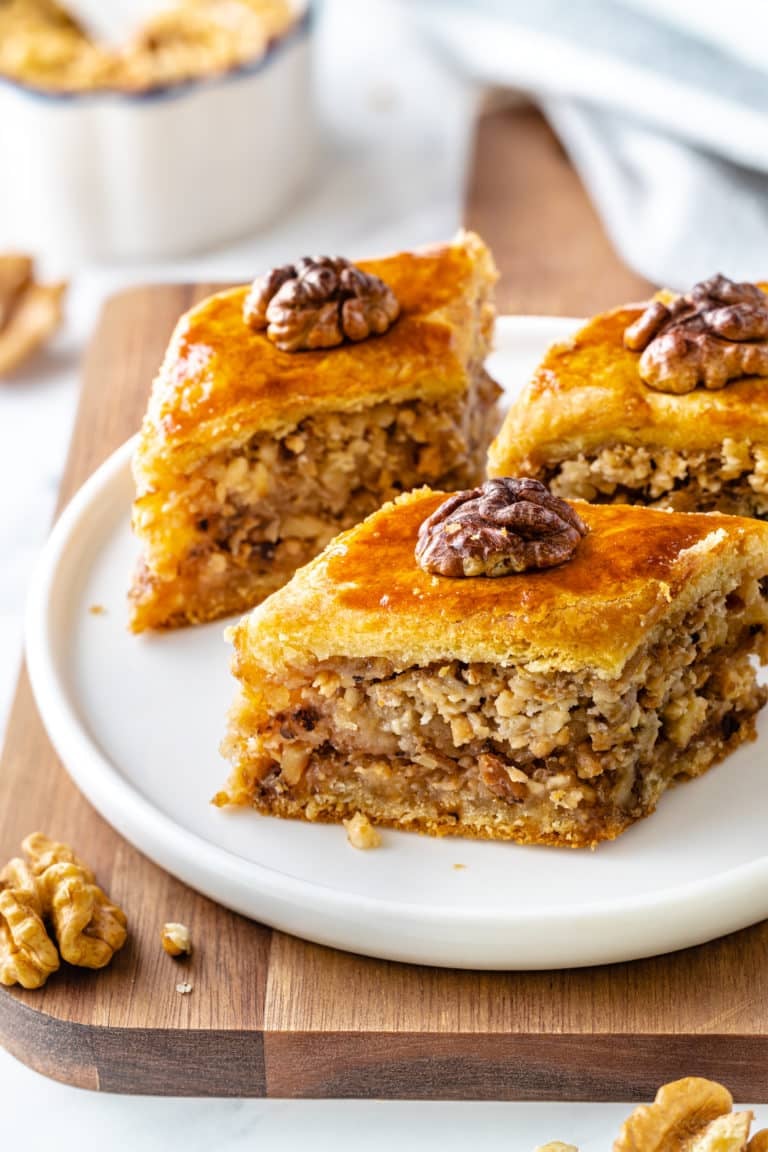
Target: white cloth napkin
(663,108)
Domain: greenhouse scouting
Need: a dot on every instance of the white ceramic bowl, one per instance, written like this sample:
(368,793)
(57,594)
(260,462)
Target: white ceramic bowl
(111,176)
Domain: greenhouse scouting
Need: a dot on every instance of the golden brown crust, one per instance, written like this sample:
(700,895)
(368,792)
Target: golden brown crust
(220,381)
(587,393)
(365,596)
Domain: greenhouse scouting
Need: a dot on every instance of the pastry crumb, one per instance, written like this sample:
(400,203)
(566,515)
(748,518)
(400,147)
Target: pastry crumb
(361,833)
(459,867)
(176,939)
(184,988)
(97,610)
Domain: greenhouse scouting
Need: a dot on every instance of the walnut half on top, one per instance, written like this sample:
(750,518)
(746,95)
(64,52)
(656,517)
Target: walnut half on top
(506,525)
(319,303)
(716,333)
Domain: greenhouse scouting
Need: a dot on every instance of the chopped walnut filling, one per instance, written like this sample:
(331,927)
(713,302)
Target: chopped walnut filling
(318,303)
(716,333)
(504,526)
(255,515)
(732,479)
(566,755)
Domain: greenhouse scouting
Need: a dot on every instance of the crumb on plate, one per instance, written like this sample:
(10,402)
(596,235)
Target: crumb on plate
(361,833)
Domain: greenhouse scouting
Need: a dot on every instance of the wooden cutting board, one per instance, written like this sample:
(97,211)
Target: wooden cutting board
(271,1015)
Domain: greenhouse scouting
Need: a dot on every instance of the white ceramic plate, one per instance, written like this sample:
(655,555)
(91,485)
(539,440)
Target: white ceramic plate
(137,722)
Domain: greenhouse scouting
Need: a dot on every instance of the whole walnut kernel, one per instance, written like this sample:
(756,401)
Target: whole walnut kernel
(716,333)
(506,525)
(319,302)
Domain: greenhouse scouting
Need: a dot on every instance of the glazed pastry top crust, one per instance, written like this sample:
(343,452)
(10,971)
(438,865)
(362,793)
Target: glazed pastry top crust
(220,381)
(366,597)
(587,393)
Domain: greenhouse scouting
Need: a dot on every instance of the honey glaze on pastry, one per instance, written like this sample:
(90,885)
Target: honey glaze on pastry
(552,706)
(252,457)
(663,403)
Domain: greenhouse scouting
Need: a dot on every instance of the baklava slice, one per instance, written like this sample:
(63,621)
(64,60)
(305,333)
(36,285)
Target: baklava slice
(501,664)
(663,403)
(289,411)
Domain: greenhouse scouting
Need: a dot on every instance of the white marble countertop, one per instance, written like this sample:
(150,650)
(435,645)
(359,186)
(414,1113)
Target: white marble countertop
(393,176)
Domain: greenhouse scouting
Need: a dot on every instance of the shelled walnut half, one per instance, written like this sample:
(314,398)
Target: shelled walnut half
(30,312)
(27,954)
(716,333)
(689,1115)
(319,302)
(88,927)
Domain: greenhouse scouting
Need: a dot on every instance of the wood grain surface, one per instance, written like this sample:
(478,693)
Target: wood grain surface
(271,1015)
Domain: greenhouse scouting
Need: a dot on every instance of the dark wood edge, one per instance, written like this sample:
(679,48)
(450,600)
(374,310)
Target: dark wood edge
(502,1066)
(134,1061)
(376,1065)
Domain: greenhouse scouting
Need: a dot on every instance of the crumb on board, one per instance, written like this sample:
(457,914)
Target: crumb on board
(184,988)
(361,833)
(97,610)
(176,939)
(459,867)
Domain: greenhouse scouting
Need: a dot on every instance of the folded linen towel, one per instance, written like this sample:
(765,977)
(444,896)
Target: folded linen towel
(662,108)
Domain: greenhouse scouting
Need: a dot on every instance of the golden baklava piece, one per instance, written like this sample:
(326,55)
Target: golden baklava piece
(501,664)
(287,411)
(663,403)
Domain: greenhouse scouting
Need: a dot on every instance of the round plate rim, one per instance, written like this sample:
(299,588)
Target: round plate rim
(126,809)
